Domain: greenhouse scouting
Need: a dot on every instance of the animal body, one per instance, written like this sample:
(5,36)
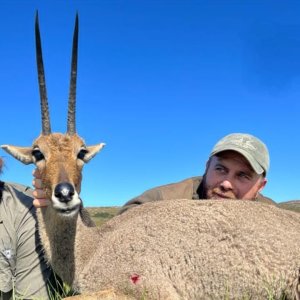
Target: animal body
(187,249)
(180,249)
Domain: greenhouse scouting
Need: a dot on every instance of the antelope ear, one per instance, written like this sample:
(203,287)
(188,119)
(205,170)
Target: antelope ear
(23,154)
(92,151)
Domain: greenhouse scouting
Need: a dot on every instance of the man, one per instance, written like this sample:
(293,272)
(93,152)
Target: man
(24,273)
(236,169)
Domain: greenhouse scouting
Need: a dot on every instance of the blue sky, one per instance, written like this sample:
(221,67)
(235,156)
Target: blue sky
(159,82)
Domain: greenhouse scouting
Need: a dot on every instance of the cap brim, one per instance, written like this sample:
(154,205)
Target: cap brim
(253,163)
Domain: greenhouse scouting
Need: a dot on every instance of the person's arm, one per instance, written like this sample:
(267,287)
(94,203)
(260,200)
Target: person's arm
(148,196)
(178,190)
(31,270)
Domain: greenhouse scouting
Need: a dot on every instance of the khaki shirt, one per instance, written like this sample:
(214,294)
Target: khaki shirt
(23,269)
(190,188)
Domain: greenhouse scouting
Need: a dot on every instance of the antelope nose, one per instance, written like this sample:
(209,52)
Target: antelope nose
(64,192)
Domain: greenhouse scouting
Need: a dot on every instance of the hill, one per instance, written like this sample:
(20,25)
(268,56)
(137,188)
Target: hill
(290,205)
(101,214)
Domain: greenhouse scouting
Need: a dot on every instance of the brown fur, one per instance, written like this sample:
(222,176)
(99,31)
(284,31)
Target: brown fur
(62,164)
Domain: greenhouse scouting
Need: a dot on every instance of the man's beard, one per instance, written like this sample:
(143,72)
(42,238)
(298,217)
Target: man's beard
(216,192)
(219,193)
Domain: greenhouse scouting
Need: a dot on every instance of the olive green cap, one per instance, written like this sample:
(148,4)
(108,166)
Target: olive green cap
(253,149)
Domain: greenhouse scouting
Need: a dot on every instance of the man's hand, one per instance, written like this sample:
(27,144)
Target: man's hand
(39,194)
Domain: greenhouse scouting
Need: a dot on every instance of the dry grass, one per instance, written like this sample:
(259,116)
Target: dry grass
(291,205)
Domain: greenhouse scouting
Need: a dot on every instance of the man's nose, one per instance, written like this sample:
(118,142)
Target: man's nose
(226,185)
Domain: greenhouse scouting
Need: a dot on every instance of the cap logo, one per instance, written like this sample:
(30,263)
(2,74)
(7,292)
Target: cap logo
(241,142)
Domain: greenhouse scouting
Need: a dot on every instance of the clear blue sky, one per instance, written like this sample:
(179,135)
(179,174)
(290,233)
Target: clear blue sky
(159,82)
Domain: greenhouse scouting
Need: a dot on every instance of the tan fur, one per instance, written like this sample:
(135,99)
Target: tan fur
(61,164)
(186,249)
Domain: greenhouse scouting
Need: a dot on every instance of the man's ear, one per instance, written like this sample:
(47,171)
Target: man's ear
(263,184)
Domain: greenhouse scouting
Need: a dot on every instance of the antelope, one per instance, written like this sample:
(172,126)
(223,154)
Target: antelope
(178,249)
(59,157)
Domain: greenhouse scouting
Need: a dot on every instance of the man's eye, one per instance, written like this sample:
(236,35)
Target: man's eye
(38,155)
(219,169)
(82,154)
(244,176)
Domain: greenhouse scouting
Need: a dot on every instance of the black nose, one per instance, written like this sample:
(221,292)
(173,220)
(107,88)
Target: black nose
(64,192)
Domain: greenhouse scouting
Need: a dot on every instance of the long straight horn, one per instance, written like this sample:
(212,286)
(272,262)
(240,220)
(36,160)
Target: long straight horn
(72,95)
(46,128)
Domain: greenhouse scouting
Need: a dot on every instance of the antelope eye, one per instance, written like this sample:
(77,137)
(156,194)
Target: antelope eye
(82,154)
(38,155)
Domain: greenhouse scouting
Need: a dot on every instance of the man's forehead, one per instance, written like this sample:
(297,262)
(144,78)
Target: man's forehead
(231,155)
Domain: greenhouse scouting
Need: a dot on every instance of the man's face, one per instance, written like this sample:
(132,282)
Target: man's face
(230,176)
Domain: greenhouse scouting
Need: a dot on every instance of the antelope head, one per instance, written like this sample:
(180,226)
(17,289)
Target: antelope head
(58,157)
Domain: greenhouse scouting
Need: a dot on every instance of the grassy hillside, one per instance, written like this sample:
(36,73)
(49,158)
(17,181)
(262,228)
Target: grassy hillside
(101,214)
(291,205)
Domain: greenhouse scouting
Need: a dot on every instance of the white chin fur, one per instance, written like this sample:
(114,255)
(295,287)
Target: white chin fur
(67,208)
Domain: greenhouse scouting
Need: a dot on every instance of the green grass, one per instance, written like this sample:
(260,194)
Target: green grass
(100,215)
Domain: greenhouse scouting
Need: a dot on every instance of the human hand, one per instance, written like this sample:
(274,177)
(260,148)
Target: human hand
(39,194)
